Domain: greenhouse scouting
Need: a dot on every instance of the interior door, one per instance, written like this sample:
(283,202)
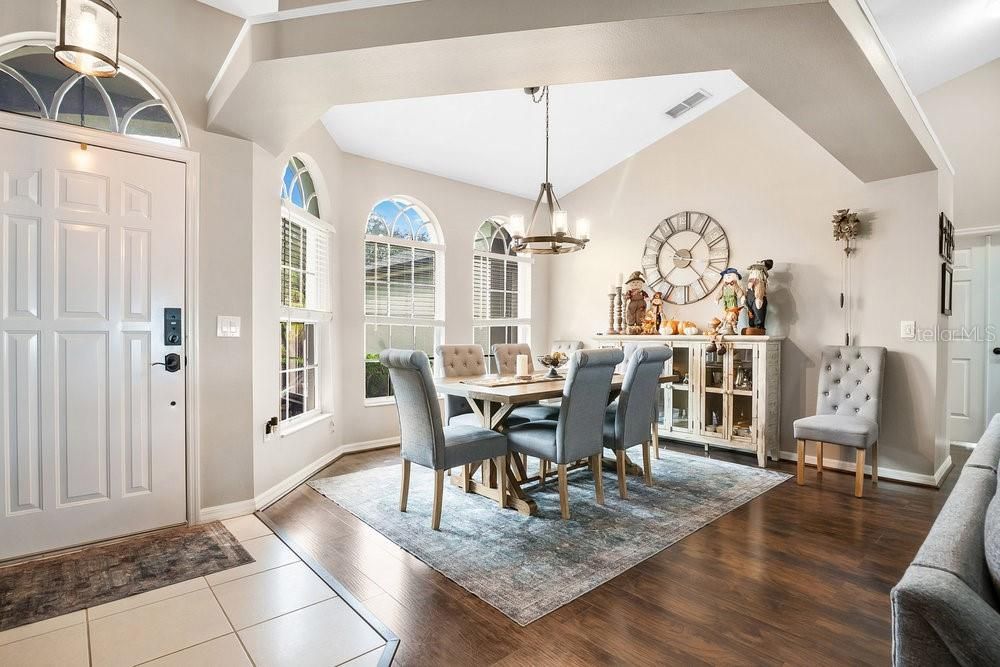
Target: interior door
(92,434)
(968,347)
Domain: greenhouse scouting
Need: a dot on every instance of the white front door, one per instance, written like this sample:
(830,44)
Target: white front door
(968,323)
(92,434)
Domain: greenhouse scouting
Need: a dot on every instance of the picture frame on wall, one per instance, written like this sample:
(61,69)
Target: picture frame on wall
(946,288)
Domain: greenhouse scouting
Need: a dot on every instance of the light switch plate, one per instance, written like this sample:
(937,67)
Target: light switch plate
(907,329)
(228,326)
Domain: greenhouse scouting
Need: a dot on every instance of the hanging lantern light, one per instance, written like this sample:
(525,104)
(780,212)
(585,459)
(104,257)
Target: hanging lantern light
(88,37)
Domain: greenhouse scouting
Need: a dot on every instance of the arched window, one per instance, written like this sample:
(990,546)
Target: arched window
(501,283)
(305,301)
(34,83)
(403,288)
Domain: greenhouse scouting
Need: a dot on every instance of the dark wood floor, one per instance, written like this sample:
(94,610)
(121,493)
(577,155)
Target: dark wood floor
(800,575)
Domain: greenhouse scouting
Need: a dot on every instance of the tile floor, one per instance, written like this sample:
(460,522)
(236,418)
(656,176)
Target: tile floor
(274,611)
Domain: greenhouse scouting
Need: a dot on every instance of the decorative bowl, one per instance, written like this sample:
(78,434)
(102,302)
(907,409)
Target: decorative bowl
(552,362)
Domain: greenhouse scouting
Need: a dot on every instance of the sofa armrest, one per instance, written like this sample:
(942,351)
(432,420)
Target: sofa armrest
(938,620)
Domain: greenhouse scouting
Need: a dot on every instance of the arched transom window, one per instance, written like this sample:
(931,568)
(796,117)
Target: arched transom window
(297,187)
(500,288)
(34,83)
(403,288)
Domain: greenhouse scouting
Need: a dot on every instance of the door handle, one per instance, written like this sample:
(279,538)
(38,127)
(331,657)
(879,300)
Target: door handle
(996,350)
(171,363)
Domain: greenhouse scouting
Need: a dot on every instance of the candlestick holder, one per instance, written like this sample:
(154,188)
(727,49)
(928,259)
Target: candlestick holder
(619,325)
(611,314)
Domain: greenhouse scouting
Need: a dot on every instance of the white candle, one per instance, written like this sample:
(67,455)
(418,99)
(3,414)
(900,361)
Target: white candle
(560,222)
(583,229)
(621,279)
(522,365)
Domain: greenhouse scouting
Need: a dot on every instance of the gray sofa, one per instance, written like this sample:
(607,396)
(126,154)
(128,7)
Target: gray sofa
(946,608)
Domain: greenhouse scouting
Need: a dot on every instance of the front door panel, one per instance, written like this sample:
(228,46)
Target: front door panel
(92,439)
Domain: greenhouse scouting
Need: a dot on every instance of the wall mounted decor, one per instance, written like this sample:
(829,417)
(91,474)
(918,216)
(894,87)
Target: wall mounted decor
(846,227)
(946,288)
(685,256)
(946,238)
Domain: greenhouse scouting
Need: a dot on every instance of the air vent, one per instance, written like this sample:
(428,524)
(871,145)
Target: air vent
(691,102)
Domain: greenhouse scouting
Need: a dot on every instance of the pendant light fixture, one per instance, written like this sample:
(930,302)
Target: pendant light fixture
(88,34)
(558,241)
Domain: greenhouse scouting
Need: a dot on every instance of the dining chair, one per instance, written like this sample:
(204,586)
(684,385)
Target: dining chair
(578,433)
(567,346)
(848,409)
(630,348)
(424,441)
(629,420)
(459,361)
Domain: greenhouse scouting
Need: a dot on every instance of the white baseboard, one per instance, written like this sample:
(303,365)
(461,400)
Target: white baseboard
(262,500)
(883,473)
(228,511)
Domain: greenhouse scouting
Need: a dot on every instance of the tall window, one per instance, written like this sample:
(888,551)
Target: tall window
(403,295)
(304,293)
(500,289)
(34,83)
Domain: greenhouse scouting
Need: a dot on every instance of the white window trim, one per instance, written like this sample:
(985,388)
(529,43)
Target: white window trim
(297,422)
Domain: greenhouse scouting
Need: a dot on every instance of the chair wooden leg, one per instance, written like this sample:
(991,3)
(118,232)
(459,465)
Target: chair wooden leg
(563,491)
(596,467)
(438,496)
(656,439)
(543,470)
(859,474)
(647,473)
(875,464)
(467,478)
(800,465)
(622,487)
(404,488)
(819,458)
(501,463)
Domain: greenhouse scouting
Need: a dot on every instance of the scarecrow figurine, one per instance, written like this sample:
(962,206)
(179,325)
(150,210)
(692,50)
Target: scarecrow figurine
(732,298)
(757,297)
(635,302)
(656,307)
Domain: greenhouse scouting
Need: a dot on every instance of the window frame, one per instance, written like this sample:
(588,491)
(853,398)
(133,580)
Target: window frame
(320,319)
(437,323)
(524,266)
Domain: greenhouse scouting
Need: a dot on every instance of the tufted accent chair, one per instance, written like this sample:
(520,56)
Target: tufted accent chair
(459,361)
(567,346)
(848,409)
(506,357)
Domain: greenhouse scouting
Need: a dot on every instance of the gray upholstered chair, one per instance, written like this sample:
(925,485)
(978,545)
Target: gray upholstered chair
(848,409)
(629,420)
(578,433)
(506,355)
(424,441)
(459,361)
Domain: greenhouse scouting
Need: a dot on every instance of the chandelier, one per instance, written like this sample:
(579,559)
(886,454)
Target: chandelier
(558,241)
(88,37)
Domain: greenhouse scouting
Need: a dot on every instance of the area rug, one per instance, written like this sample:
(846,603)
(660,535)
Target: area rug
(40,589)
(529,566)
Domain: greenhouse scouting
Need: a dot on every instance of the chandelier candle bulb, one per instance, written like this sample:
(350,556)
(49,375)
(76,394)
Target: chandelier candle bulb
(560,222)
(516,226)
(583,229)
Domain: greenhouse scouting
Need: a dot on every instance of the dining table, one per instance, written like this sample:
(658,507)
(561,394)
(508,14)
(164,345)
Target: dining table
(492,398)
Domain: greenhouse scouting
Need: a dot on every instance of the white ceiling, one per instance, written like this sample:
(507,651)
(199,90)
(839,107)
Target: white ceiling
(935,41)
(496,139)
(281,9)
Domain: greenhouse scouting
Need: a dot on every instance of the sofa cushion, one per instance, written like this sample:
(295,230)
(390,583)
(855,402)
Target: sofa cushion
(991,538)
(850,431)
(955,543)
(986,453)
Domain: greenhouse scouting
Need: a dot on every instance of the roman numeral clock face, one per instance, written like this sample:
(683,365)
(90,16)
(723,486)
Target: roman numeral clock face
(685,256)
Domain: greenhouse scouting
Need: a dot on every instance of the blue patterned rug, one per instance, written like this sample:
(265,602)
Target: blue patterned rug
(529,566)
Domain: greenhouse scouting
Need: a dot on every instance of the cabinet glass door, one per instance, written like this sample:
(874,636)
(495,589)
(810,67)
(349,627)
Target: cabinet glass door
(676,397)
(742,375)
(713,382)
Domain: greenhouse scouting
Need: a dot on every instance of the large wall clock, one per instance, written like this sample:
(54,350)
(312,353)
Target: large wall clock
(685,256)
